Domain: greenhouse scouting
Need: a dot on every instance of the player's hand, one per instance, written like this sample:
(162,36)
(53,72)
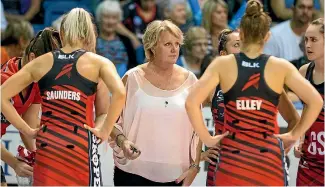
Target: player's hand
(210,153)
(98,132)
(22,169)
(288,140)
(298,150)
(32,133)
(215,140)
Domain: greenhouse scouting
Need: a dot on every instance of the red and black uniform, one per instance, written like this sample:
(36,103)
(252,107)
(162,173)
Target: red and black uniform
(311,166)
(217,109)
(67,153)
(251,155)
(20,102)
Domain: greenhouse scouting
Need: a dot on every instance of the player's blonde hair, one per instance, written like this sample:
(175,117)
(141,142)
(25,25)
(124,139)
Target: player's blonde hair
(77,27)
(152,33)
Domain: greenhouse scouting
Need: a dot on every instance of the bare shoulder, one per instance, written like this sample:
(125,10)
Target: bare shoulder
(181,71)
(223,60)
(95,58)
(40,66)
(303,69)
(280,64)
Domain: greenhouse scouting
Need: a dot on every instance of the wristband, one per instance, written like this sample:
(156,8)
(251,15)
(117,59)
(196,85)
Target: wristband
(195,166)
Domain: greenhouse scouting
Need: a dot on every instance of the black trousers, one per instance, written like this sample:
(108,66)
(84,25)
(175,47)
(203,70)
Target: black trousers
(122,178)
(3,178)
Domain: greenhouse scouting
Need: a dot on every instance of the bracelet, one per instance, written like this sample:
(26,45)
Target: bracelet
(195,166)
(118,143)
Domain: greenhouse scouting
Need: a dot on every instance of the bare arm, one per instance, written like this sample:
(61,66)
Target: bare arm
(121,29)
(12,87)
(280,10)
(8,157)
(21,168)
(288,111)
(32,119)
(113,82)
(198,94)
(101,103)
(308,94)
(32,11)
(116,131)
(198,153)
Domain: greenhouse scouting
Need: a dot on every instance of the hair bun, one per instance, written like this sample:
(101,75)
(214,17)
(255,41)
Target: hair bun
(254,8)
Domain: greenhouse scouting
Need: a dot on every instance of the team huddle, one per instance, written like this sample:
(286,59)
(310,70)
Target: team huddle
(152,116)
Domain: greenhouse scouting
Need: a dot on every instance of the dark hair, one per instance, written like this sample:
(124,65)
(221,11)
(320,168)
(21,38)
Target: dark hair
(319,21)
(45,41)
(223,39)
(255,23)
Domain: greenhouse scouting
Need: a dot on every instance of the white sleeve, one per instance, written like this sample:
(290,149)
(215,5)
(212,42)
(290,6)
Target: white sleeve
(271,47)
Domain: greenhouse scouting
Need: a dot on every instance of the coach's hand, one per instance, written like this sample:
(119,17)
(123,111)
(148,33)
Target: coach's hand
(22,169)
(187,177)
(130,150)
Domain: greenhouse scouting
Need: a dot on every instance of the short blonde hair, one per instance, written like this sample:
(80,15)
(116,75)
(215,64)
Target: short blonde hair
(77,26)
(208,8)
(152,33)
(194,33)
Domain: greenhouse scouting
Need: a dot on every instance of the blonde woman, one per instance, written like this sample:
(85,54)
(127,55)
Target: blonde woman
(71,81)
(195,48)
(214,20)
(154,117)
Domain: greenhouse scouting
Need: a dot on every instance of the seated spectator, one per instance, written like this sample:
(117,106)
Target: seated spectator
(286,36)
(215,19)
(138,14)
(195,48)
(303,60)
(281,10)
(110,44)
(175,10)
(15,39)
(28,10)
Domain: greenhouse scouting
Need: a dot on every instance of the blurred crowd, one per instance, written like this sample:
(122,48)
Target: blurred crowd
(121,25)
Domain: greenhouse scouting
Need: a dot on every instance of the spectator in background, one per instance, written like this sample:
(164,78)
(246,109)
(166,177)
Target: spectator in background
(281,10)
(15,39)
(115,47)
(302,60)
(286,36)
(138,14)
(215,19)
(195,48)
(28,10)
(175,10)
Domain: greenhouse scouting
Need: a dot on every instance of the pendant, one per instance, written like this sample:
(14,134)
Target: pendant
(166,103)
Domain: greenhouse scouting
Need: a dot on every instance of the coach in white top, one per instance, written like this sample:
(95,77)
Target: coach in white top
(155,118)
(286,36)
